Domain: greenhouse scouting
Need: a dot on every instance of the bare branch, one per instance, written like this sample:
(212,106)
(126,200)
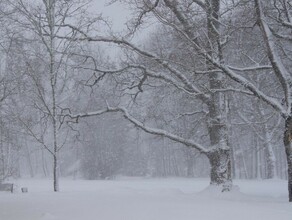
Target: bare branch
(154,131)
(280,70)
(254,68)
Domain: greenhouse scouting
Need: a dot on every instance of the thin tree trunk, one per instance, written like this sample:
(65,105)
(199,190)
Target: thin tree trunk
(230,135)
(258,161)
(28,157)
(44,164)
(53,79)
(190,164)
(271,161)
(55,173)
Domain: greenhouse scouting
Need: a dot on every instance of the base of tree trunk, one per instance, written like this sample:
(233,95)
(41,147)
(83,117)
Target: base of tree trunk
(288,150)
(290,178)
(220,169)
(55,174)
(225,187)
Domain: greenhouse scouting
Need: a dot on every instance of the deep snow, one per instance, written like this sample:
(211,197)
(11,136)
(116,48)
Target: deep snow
(146,199)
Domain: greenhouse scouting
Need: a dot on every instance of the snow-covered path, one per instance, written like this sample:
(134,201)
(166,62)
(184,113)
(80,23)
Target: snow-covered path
(146,199)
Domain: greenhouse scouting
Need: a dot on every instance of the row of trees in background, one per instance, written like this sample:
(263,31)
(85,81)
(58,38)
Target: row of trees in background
(212,83)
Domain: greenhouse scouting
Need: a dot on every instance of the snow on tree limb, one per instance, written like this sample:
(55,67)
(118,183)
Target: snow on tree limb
(253,88)
(225,69)
(253,68)
(278,67)
(189,36)
(135,122)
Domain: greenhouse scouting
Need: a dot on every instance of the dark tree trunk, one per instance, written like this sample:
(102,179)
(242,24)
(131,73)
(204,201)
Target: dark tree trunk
(217,118)
(288,149)
(220,168)
(55,174)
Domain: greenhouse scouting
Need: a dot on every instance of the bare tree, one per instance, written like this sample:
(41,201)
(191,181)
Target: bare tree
(276,41)
(205,27)
(46,61)
(9,81)
(182,18)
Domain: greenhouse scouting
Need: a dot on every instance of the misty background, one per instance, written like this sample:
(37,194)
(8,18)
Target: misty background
(108,146)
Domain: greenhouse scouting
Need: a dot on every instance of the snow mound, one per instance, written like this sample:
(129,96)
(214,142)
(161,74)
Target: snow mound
(48,216)
(215,192)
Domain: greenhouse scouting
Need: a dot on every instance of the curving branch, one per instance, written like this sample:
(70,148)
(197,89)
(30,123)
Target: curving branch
(149,130)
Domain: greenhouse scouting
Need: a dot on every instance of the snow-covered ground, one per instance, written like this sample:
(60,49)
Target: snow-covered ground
(146,199)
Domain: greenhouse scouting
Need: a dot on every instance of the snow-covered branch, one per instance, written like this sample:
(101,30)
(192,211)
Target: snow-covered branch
(253,68)
(151,56)
(278,67)
(135,122)
(185,32)
(221,66)
(253,88)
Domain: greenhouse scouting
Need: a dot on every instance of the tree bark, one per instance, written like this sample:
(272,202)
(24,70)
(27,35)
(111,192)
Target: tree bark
(53,81)
(55,174)
(271,162)
(219,158)
(288,149)
(220,168)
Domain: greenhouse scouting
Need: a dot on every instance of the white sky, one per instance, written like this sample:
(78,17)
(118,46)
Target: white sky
(117,13)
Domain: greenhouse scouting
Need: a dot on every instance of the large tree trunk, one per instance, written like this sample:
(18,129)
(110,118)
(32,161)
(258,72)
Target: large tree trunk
(220,155)
(288,149)
(217,121)
(220,168)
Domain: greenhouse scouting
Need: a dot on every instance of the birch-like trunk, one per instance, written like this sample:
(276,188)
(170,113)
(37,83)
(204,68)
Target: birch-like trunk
(270,155)
(53,82)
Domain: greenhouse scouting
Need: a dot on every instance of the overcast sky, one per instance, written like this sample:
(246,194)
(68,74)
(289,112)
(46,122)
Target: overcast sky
(117,13)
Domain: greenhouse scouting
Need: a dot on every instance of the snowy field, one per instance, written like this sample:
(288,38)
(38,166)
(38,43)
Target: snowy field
(145,199)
